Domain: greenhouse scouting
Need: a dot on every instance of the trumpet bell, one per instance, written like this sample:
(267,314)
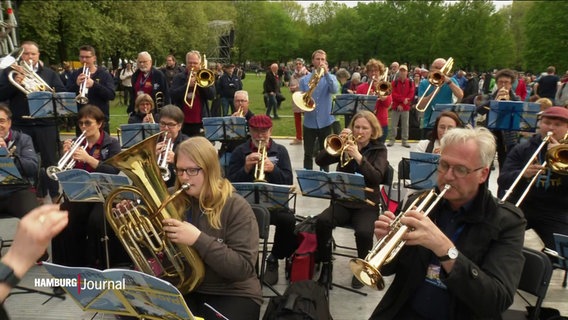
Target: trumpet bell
(303,101)
(81,99)
(333,144)
(367,274)
(51,172)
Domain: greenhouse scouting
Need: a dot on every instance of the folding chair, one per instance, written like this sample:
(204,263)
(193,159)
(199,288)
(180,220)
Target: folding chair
(561,254)
(535,279)
(263,219)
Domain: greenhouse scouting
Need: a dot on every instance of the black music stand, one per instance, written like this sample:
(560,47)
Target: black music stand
(334,186)
(466,113)
(131,134)
(512,115)
(349,104)
(227,130)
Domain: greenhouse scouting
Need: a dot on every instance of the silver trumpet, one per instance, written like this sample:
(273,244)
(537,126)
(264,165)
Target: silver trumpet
(67,162)
(81,98)
(163,158)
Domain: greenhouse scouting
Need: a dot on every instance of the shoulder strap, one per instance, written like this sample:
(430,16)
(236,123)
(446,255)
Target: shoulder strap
(430,146)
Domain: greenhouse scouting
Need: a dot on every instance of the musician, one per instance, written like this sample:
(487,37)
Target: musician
(17,199)
(447,120)
(546,205)
(226,86)
(79,244)
(375,70)
(147,79)
(299,71)
(370,160)
(171,118)
(193,115)
(144,111)
(220,225)
(445,94)
(44,132)
(277,170)
(100,84)
(465,259)
(318,124)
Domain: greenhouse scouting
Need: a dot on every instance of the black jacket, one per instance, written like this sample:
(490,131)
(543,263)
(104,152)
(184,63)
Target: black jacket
(26,161)
(102,91)
(227,85)
(177,93)
(159,84)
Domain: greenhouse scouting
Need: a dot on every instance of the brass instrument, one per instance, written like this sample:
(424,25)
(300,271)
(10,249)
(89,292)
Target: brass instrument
(436,78)
(368,270)
(240,112)
(32,82)
(67,162)
(259,167)
(163,157)
(371,86)
(151,117)
(336,145)
(159,98)
(304,100)
(383,87)
(203,78)
(140,228)
(81,98)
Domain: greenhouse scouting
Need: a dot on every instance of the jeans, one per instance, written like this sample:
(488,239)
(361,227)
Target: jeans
(225,103)
(310,136)
(272,105)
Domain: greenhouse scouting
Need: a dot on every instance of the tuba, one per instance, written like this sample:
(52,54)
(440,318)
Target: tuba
(367,270)
(140,229)
(304,100)
(259,167)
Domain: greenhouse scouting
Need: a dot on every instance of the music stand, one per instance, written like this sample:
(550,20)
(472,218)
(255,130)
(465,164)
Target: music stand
(419,172)
(512,115)
(349,104)
(466,113)
(334,186)
(227,130)
(131,134)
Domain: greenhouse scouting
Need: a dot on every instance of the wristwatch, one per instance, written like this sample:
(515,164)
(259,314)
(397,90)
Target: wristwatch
(451,255)
(7,275)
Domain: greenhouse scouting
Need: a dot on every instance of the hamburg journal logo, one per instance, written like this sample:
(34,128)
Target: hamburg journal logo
(80,283)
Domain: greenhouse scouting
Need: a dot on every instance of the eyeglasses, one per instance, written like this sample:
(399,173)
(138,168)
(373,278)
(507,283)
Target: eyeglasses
(189,171)
(3,121)
(459,170)
(85,57)
(170,125)
(505,82)
(86,123)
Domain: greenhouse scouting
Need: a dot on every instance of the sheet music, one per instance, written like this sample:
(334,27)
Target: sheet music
(82,186)
(512,115)
(41,104)
(269,195)
(125,292)
(225,128)
(423,170)
(9,173)
(343,186)
(347,104)
(464,111)
(131,134)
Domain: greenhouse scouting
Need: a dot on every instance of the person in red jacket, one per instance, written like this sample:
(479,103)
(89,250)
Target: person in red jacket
(402,97)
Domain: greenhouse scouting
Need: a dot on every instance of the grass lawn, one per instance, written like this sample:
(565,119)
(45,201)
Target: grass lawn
(283,127)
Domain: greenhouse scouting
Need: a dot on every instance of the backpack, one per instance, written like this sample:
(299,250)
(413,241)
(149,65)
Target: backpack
(301,263)
(303,300)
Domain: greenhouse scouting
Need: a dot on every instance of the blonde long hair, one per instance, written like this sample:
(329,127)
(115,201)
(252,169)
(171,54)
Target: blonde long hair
(216,189)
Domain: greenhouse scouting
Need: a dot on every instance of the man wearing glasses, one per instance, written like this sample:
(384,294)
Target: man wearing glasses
(99,83)
(464,259)
(149,80)
(277,170)
(171,118)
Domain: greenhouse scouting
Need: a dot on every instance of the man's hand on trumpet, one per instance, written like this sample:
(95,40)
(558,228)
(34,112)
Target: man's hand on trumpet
(81,78)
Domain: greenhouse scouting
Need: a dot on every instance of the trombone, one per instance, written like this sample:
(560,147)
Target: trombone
(368,270)
(304,100)
(336,145)
(383,87)
(81,98)
(436,78)
(67,162)
(203,78)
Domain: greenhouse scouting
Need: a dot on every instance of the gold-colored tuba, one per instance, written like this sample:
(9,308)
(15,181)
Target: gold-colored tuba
(259,175)
(140,228)
(304,100)
(368,270)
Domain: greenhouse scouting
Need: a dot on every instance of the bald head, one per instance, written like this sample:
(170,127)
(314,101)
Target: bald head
(438,63)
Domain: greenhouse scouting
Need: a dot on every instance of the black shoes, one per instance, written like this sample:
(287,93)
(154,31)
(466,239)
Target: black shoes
(326,274)
(271,272)
(355,283)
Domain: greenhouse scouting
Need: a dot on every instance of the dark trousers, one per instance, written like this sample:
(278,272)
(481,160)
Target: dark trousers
(127,95)
(272,105)
(46,141)
(18,203)
(362,220)
(232,307)
(192,129)
(545,224)
(284,239)
(310,136)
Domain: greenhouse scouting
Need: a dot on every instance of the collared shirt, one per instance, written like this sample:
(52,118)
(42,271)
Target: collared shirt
(321,117)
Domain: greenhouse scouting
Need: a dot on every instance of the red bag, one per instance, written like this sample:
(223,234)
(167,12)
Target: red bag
(302,261)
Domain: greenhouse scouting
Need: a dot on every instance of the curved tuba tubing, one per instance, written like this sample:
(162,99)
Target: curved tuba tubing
(304,100)
(140,228)
(367,270)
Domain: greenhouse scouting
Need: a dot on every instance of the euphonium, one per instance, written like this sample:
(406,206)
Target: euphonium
(436,78)
(368,270)
(335,144)
(81,98)
(140,229)
(203,78)
(67,162)
(259,167)
(304,100)
(32,82)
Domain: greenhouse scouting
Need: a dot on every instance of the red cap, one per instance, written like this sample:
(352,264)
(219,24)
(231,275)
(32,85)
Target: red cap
(260,122)
(556,112)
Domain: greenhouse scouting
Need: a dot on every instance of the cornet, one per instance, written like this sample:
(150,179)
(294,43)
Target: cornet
(81,98)
(336,145)
(163,157)
(367,270)
(67,162)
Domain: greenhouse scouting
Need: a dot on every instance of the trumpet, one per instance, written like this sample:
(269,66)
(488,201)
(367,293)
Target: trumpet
(32,82)
(81,98)
(259,167)
(436,78)
(203,78)
(336,145)
(163,157)
(367,270)
(67,162)
(304,100)
(240,112)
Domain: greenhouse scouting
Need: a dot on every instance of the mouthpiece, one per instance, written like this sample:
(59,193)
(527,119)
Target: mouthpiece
(185,186)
